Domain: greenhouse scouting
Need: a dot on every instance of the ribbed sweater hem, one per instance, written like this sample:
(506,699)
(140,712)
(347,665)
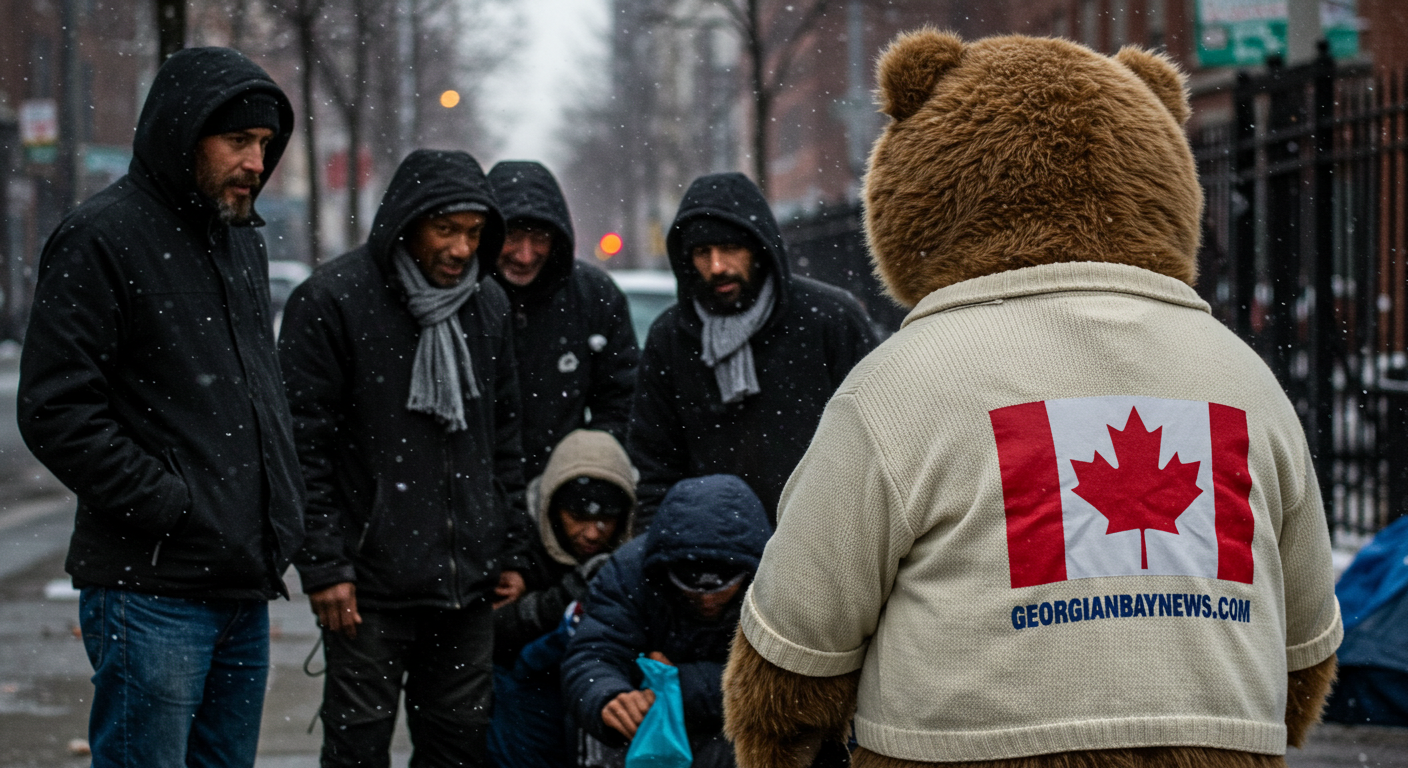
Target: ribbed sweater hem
(1122,733)
(791,656)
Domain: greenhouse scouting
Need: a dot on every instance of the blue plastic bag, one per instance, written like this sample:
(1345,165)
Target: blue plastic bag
(661,741)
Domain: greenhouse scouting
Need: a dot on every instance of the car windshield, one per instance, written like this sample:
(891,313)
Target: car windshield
(645,307)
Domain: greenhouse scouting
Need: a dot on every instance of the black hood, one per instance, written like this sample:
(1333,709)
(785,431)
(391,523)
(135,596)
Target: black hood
(429,179)
(192,84)
(528,191)
(735,198)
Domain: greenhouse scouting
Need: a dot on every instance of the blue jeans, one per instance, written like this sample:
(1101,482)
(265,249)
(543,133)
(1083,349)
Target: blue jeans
(177,682)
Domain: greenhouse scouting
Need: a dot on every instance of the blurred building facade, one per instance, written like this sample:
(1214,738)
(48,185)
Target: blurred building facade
(68,103)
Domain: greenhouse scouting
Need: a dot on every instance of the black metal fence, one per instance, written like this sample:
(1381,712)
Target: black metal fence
(1304,239)
(1303,256)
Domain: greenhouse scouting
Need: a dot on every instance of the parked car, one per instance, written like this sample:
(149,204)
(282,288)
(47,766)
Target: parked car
(284,276)
(648,293)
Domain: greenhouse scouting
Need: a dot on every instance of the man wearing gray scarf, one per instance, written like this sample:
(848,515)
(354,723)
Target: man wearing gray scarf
(734,377)
(399,367)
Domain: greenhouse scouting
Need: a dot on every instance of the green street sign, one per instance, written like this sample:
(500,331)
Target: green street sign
(1243,33)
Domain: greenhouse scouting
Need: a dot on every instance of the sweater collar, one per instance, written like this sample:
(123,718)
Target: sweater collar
(1058,278)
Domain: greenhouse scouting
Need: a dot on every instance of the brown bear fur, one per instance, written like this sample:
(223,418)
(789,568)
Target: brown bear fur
(1014,151)
(778,719)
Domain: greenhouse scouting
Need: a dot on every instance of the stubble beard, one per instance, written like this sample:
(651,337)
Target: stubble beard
(715,305)
(213,188)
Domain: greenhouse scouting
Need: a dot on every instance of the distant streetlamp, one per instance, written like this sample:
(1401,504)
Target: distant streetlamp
(449,99)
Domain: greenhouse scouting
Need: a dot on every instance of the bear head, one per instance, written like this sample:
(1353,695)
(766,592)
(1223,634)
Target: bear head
(1014,151)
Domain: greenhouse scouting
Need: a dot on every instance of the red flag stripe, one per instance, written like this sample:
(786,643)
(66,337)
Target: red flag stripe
(1232,487)
(1031,492)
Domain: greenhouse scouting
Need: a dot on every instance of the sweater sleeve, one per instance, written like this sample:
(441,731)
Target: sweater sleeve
(74,341)
(1313,626)
(816,600)
(310,354)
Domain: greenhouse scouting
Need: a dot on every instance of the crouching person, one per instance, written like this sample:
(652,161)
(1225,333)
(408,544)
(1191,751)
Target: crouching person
(582,503)
(673,595)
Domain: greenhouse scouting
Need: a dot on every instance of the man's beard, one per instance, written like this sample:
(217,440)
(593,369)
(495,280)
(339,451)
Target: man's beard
(214,189)
(716,305)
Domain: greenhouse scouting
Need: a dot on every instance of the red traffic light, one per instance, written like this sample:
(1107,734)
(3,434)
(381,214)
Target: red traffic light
(610,244)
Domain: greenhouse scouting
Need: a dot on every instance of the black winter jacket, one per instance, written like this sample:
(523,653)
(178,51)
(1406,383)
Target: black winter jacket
(572,329)
(679,425)
(414,515)
(634,609)
(149,383)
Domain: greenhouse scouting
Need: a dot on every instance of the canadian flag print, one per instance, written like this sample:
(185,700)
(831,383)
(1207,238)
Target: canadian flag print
(1124,486)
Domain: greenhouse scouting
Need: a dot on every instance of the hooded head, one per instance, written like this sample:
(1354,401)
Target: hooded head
(430,182)
(530,197)
(583,453)
(1011,152)
(191,87)
(719,206)
(715,521)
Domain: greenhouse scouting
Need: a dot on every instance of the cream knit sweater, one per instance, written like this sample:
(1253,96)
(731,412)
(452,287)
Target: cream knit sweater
(1027,519)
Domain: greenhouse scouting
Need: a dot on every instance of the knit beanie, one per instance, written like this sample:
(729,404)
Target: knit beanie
(247,110)
(709,230)
(590,497)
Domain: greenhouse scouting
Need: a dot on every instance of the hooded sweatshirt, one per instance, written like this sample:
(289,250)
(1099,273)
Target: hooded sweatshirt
(555,577)
(679,425)
(413,515)
(149,383)
(572,328)
(633,608)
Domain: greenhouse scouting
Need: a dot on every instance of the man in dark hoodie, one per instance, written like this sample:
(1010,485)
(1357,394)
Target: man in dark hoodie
(735,376)
(674,595)
(399,364)
(150,386)
(572,329)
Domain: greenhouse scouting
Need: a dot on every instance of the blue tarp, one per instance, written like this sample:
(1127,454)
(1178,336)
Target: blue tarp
(1373,595)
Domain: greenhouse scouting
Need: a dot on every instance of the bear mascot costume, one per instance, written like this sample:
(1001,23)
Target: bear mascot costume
(1063,517)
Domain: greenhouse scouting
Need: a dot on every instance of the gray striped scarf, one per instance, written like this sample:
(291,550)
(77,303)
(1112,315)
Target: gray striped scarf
(442,357)
(726,348)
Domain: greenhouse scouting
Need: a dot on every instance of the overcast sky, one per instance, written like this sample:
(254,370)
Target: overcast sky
(561,46)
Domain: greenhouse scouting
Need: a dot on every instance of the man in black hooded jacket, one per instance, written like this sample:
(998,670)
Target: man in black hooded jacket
(572,329)
(779,346)
(150,386)
(400,372)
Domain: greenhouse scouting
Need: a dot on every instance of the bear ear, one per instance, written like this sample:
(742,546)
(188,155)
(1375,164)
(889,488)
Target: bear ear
(911,66)
(1163,77)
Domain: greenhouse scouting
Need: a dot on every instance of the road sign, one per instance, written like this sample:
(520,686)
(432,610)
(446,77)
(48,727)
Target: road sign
(39,122)
(1243,33)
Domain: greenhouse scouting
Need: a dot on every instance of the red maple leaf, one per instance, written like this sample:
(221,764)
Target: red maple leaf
(1137,494)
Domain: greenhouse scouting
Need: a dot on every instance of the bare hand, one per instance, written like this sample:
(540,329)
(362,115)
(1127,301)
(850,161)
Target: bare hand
(625,712)
(660,657)
(336,608)
(511,587)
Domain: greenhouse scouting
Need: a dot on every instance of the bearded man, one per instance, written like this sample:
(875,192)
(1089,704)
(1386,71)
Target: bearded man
(150,386)
(734,376)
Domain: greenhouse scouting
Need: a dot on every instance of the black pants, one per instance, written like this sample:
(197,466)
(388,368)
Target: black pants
(443,661)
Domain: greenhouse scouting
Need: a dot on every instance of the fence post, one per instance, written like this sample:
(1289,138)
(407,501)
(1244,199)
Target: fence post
(1242,239)
(1325,345)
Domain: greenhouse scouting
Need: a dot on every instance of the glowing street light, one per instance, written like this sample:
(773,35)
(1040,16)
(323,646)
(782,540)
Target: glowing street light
(609,246)
(449,99)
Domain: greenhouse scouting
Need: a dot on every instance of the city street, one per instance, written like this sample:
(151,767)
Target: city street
(44,686)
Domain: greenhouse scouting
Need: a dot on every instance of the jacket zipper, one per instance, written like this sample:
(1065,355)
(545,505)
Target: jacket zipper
(450,524)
